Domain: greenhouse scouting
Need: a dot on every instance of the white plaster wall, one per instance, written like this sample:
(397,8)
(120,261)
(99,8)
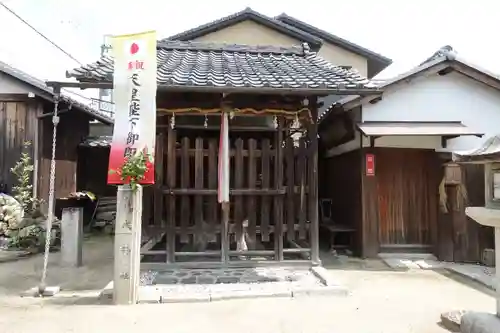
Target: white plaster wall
(453,97)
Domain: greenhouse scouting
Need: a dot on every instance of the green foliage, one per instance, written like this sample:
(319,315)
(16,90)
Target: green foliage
(134,167)
(23,191)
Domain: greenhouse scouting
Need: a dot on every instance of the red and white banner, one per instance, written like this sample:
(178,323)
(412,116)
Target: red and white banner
(223,193)
(134,93)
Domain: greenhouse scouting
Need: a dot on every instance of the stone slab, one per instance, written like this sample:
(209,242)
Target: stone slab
(320,291)
(183,297)
(397,263)
(482,274)
(324,276)
(451,320)
(34,292)
(478,322)
(407,263)
(408,256)
(107,291)
(430,264)
(149,294)
(242,294)
(288,283)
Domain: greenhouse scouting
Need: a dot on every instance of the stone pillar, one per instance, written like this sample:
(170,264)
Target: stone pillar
(127,245)
(72,237)
(491,218)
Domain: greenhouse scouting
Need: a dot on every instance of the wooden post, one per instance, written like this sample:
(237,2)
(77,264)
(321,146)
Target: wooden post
(313,181)
(278,200)
(158,187)
(224,233)
(171,182)
(127,245)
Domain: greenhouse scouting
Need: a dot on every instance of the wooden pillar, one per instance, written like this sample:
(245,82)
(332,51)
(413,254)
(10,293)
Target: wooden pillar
(313,180)
(158,194)
(225,108)
(171,182)
(225,233)
(278,200)
(370,218)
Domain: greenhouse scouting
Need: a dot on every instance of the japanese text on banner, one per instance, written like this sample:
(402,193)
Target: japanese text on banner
(134,84)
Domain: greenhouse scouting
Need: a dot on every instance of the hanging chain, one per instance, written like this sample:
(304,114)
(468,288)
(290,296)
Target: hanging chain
(50,217)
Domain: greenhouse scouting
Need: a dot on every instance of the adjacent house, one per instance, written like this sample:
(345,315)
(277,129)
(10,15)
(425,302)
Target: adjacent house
(26,108)
(383,158)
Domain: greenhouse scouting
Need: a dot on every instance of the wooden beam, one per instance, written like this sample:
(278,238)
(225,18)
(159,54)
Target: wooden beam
(16,98)
(228,90)
(476,74)
(233,264)
(171,182)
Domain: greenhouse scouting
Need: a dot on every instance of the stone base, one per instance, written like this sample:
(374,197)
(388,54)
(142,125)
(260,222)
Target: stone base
(451,320)
(478,322)
(34,292)
(107,291)
(488,257)
(206,293)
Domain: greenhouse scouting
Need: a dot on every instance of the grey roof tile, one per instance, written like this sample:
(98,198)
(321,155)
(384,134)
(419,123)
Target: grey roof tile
(196,64)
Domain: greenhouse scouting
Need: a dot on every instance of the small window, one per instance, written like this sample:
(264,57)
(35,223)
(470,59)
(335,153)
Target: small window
(496,181)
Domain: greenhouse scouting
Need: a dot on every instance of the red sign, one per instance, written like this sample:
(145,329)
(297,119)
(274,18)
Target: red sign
(370,165)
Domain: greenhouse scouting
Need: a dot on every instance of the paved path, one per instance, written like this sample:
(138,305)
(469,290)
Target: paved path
(97,270)
(382,301)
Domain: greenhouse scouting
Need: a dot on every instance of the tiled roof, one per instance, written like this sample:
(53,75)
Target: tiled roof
(248,14)
(195,65)
(42,87)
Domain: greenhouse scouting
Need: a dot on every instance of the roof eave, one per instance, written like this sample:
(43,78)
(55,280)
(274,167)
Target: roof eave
(378,58)
(86,83)
(434,66)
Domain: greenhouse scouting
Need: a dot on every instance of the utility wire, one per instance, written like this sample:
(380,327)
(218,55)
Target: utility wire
(40,33)
(51,42)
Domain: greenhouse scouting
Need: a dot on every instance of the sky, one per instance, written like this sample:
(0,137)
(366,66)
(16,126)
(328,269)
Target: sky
(406,31)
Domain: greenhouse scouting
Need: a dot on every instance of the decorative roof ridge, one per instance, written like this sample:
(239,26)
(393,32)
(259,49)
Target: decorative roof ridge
(303,49)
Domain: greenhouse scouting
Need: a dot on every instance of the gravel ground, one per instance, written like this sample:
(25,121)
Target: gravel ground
(382,301)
